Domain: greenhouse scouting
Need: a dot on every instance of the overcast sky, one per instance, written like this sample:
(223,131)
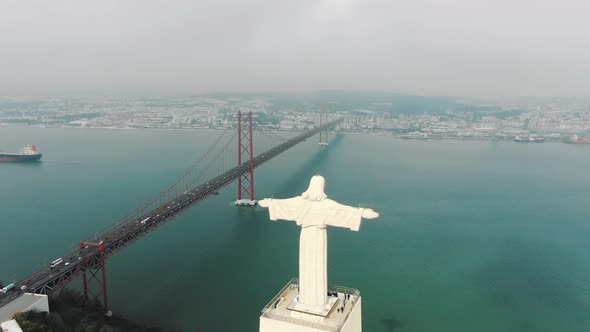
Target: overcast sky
(430,47)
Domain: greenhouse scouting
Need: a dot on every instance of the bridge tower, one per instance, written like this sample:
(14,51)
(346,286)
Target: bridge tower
(245,150)
(324,132)
(96,264)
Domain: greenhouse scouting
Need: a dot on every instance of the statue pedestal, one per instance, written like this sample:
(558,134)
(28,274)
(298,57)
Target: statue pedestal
(322,311)
(283,314)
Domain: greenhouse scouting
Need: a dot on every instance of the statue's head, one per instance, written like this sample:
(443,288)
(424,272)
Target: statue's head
(315,192)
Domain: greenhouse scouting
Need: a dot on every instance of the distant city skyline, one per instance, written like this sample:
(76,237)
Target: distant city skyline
(411,117)
(471,48)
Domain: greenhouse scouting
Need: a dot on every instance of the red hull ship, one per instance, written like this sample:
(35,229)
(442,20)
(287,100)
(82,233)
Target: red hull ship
(29,153)
(576,140)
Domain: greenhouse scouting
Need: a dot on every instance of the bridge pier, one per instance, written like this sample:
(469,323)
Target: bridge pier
(245,150)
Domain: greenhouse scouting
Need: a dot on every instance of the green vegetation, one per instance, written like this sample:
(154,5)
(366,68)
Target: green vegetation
(71,312)
(266,119)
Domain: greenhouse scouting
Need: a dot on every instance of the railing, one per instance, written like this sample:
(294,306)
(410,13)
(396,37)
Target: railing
(293,283)
(344,290)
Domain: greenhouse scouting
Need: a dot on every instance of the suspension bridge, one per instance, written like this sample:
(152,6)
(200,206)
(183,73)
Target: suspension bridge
(230,158)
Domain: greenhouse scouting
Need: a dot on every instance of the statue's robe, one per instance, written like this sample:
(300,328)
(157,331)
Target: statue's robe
(313,217)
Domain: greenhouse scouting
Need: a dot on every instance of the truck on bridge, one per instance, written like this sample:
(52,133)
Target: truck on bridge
(7,288)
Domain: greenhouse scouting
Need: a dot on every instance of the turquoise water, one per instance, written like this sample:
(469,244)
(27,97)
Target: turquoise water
(473,236)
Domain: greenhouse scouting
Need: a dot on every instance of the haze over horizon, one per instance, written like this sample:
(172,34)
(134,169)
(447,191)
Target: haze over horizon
(472,48)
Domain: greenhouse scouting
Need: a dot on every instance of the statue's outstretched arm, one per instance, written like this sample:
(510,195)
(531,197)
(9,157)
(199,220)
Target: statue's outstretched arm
(284,209)
(369,214)
(366,213)
(341,215)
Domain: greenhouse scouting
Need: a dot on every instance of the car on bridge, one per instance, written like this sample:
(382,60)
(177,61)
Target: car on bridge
(25,284)
(56,262)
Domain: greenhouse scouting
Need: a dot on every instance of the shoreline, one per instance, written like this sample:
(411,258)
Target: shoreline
(375,133)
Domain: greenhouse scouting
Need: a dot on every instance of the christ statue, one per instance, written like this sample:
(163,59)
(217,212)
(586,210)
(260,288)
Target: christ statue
(314,211)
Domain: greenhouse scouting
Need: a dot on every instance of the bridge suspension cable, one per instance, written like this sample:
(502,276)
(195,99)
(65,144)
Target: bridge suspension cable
(170,191)
(189,177)
(272,135)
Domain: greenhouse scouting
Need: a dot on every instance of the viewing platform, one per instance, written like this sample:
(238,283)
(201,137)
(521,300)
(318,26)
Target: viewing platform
(281,314)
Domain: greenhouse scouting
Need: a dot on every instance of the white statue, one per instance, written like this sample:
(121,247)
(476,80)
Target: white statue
(313,211)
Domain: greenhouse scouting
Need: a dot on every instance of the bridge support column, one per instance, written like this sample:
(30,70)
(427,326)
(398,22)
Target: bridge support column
(104,279)
(93,264)
(84,282)
(245,150)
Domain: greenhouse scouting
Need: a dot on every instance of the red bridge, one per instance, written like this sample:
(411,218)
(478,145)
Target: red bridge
(204,178)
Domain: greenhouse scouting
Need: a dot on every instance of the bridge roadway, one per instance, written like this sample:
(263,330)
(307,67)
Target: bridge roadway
(75,262)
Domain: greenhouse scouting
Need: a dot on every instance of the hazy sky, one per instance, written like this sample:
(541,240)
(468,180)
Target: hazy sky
(431,47)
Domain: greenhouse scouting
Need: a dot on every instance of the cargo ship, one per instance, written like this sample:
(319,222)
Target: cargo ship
(416,135)
(529,139)
(29,153)
(574,139)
